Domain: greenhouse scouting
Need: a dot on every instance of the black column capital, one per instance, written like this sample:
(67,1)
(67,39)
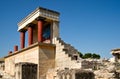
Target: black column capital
(30,25)
(23,30)
(40,18)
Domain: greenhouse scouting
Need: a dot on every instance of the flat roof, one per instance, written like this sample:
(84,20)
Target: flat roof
(40,11)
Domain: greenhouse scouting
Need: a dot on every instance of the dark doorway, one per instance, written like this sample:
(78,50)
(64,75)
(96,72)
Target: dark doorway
(29,71)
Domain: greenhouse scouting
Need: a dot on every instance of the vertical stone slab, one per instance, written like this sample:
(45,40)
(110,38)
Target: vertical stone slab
(55,29)
(18,73)
(46,59)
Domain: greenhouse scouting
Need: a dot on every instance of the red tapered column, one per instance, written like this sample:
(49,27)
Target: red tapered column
(22,39)
(15,48)
(40,27)
(30,35)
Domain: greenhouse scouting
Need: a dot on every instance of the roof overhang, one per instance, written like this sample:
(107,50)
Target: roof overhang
(39,12)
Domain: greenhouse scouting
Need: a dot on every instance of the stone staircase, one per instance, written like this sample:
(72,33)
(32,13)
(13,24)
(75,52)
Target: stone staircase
(66,55)
(70,50)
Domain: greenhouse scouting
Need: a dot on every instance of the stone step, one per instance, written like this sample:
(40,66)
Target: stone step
(62,56)
(60,47)
(70,50)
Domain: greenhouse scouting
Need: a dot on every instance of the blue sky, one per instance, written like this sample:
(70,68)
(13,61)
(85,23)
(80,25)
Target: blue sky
(88,25)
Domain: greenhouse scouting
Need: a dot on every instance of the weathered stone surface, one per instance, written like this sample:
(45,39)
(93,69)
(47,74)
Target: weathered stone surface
(65,55)
(75,74)
(41,54)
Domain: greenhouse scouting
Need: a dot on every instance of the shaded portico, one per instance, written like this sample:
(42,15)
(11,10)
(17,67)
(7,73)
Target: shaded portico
(42,25)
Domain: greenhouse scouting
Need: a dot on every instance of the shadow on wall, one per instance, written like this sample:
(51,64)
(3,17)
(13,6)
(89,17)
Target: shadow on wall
(84,75)
(75,74)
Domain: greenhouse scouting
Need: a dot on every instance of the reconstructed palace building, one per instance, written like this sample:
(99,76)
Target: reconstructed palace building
(47,56)
(46,52)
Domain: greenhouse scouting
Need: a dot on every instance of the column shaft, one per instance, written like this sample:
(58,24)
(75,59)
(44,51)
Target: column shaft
(30,35)
(22,39)
(40,29)
(15,48)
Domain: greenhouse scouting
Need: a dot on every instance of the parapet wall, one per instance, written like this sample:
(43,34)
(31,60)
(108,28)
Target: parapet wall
(25,55)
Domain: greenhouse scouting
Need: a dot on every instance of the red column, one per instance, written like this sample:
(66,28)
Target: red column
(15,48)
(22,39)
(30,35)
(40,27)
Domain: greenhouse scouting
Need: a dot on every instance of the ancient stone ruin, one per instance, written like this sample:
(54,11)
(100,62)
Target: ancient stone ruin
(47,56)
(75,74)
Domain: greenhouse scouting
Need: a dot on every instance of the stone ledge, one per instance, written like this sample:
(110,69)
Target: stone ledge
(29,47)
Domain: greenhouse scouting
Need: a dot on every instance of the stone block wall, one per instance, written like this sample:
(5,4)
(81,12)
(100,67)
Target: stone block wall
(46,59)
(41,54)
(63,59)
(75,74)
(25,55)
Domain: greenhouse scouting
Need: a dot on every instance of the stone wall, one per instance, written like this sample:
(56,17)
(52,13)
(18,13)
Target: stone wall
(87,64)
(63,59)
(28,55)
(46,60)
(55,29)
(2,66)
(75,74)
(41,54)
